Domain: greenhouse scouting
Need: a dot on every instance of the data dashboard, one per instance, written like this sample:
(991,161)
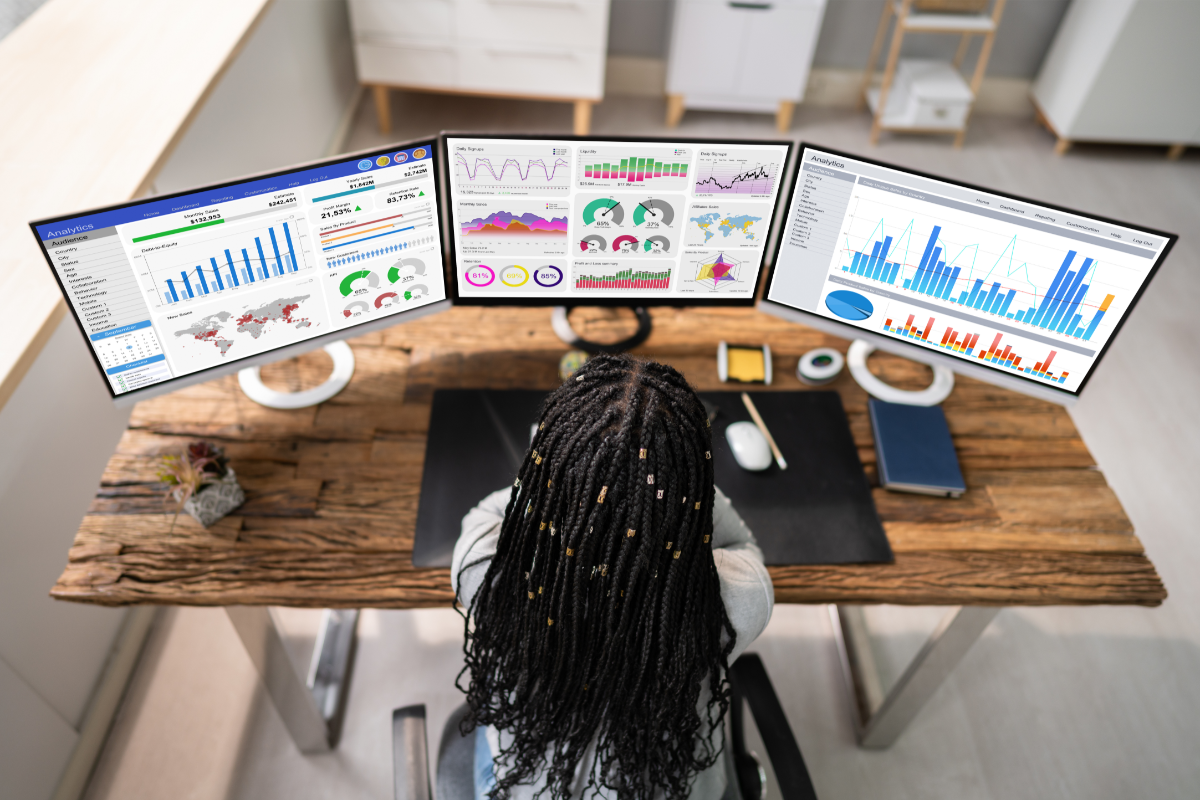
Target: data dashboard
(1026,289)
(589,219)
(172,286)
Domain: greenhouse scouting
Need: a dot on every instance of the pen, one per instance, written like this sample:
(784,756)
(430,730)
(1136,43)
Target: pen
(762,426)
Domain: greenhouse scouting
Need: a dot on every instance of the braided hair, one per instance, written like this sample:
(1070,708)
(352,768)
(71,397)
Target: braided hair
(600,617)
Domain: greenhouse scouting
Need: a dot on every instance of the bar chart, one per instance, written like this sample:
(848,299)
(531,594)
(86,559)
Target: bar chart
(660,168)
(967,344)
(220,260)
(1061,308)
(627,278)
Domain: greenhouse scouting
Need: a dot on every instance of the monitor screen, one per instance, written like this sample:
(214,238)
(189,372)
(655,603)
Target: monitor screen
(170,290)
(596,221)
(998,286)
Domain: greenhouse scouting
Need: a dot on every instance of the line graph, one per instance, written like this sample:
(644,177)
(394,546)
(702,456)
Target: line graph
(512,170)
(738,172)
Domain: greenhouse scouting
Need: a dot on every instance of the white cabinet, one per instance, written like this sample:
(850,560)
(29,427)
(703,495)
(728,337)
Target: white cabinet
(1123,71)
(738,55)
(544,49)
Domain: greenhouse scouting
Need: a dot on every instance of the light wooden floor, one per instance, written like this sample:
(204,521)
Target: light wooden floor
(1056,702)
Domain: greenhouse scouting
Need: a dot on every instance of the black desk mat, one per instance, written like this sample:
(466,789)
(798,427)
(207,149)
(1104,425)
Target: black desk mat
(818,511)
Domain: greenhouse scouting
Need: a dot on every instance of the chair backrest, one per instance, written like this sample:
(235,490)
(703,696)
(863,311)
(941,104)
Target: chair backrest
(456,760)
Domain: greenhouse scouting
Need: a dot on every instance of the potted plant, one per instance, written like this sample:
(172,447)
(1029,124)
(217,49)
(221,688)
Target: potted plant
(202,483)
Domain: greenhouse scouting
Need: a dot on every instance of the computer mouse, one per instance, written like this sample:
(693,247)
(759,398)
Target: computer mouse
(749,446)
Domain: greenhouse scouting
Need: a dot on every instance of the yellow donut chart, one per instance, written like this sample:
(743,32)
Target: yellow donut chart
(506,273)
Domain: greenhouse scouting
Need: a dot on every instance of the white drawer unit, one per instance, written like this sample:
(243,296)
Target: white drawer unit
(541,49)
(741,55)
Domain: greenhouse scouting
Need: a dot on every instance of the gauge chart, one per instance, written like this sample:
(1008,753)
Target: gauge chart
(602,212)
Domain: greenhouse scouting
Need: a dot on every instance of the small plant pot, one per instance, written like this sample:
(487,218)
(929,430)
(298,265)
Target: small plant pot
(216,499)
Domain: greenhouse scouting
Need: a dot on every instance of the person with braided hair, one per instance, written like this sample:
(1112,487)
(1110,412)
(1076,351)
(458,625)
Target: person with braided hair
(605,594)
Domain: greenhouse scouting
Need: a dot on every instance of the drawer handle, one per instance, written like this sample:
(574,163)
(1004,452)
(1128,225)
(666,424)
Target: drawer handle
(558,55)
(405,44)
(751,6)
(542,3)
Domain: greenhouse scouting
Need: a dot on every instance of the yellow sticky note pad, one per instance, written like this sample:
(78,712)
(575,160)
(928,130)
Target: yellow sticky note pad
(747,364)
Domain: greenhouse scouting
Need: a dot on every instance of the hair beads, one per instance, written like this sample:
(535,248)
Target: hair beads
(623,604)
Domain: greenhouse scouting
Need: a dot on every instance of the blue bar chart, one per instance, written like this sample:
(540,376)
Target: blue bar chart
(1059,308)
(222,260)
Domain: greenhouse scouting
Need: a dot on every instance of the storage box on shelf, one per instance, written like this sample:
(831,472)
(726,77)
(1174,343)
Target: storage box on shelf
(539,49)
(730,55)
(920,95)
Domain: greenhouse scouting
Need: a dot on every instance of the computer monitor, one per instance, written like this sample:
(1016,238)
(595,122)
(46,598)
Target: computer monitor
(175,290)
(1008,290)
(571,220)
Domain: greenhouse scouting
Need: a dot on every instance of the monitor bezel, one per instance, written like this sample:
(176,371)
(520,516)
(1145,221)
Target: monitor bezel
(979,371)
(280,353)
(632,300)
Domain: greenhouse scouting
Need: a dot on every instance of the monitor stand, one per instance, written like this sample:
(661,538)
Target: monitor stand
(343,369)
(936,392)
(562,326)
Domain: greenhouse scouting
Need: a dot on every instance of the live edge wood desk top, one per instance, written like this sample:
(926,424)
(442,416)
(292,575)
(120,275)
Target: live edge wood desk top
(332,491)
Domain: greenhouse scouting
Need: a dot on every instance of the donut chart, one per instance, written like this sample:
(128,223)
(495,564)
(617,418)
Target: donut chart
(357,307)
(548,276)
(479,275)
(347,286)
(514,275)
(417,265)
(415,292)
(379,300)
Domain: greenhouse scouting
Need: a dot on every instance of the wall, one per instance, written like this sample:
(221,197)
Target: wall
(59,429)
(642,28)
(281,101)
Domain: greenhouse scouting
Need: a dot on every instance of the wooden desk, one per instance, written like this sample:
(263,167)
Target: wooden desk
(332,491)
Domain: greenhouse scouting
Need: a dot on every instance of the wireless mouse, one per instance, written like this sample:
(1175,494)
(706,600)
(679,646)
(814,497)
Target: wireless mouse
(749,446)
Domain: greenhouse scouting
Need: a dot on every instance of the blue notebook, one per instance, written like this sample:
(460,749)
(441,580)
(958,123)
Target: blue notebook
(914,450)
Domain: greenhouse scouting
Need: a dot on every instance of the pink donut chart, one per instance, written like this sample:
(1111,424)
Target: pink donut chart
(479,275)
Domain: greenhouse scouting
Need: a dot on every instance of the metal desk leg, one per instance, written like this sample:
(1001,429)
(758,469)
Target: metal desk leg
(880,714)
(312,709)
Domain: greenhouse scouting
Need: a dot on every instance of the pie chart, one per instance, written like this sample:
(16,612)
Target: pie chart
(849,305)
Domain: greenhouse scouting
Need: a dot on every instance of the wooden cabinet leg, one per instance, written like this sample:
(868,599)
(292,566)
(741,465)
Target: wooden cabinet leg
(959,138)
(1061,146)
(383,109)
(674,109)
(783,117)
(583,117)
(1175,151)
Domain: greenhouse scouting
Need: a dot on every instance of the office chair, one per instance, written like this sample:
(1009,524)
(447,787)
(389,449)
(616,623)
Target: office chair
(747,779)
